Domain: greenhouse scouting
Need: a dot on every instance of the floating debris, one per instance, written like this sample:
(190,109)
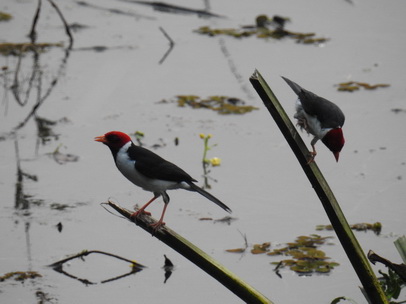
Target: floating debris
(138,137)
(240,250)
(174,9)
(76,27)
(168,268)
(226,220)
(264,21)
(20,275)
(352,86)
(60,207)
(375,227)
(260,248)
(205,219)
(221,104)
(113,10)
(262,30)
(45,132)
(398,110)
(43,297)
(63,158)
(59,226)
(5,16)
(305,257)
(236,250)
(16,49)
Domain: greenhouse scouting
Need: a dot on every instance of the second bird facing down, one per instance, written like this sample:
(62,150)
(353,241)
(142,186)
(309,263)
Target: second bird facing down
(319,117)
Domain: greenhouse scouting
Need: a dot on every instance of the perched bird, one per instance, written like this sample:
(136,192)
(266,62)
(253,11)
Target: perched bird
(319,117)
(150,172)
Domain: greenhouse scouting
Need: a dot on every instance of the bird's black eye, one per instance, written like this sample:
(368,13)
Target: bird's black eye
(113,138)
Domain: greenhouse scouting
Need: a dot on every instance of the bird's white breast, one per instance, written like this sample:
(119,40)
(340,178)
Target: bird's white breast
(313,125)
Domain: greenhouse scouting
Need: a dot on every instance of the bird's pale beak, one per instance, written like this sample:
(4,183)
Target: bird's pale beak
(101,139)
(336,155)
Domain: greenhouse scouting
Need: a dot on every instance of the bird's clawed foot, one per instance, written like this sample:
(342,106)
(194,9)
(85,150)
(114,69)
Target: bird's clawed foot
(156,226)
(312,157)
(139,212)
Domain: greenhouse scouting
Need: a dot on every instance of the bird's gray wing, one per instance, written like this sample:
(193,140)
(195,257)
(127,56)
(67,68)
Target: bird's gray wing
(328,113)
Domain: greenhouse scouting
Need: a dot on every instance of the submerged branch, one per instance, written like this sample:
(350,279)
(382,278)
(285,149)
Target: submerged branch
(171,45)
(58,266)
(65,24)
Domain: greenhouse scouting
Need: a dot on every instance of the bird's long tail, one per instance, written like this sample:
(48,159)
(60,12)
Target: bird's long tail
(209,196)
(294,86)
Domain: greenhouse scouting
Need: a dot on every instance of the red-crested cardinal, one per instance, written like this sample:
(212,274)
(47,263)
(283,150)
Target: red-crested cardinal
(150,172)
(319,117)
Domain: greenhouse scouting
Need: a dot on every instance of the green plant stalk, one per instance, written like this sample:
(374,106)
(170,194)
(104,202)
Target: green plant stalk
(166,235)
(206,148)
(338,221)
(400,244)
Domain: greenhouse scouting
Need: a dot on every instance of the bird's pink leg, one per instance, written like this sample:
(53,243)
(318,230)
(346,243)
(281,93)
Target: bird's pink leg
(142,209)
(312,155)
(160,223)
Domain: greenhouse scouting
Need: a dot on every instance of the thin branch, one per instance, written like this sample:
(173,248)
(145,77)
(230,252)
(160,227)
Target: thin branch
(58,266)
(33,33)
(67,29)
(171,45)
(87,252)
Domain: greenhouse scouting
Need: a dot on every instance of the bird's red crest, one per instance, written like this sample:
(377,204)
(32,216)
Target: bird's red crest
(118,136)
(334,140)
(114,139)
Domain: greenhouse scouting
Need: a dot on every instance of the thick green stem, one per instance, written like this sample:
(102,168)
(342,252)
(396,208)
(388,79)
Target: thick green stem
(166,235)
(338,221)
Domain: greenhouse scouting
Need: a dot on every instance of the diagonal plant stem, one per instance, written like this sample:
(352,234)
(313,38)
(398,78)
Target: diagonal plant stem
(197,256)
(349,242)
